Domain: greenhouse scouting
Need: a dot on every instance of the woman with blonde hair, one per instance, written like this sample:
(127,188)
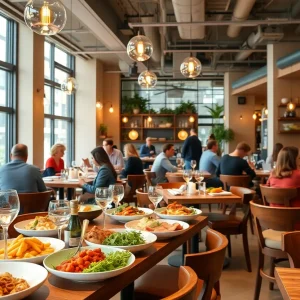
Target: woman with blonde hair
(55,163)
(133,165)
(286,173)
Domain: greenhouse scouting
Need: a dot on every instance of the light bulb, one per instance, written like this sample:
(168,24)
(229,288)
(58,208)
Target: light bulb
(148,79)
(266,111)
(125,120)
(99,105)
(291,106)
(70,86)
(45,17)
(191,67)
(241,117)
(111,109)
(254,116)
(149,119)
(191,119)
(140,48)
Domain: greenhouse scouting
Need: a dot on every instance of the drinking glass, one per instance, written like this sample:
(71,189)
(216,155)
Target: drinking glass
(178,162)
(104,198)
(187,176)
(118,193)
(155,194)
(198,176)
(9,209)
(193,164)
(64,173)
(182,163)
(59,213)
(202,188)
(73,163)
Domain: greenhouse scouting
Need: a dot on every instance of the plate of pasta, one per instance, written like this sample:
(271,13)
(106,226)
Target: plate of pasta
(16,282)
(30,249)
(175,211)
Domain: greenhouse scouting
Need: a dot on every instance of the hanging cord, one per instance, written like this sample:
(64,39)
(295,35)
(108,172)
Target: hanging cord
(191,20)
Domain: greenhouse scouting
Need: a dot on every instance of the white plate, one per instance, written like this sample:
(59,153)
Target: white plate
(55,243)
(185,218)
(47,179)
(35,276)
(224,193)
(132,225)
(56,258)
(149,237)
(124,219)
(20,227)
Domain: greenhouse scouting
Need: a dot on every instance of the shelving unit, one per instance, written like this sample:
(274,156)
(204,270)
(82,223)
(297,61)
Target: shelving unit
(282,120)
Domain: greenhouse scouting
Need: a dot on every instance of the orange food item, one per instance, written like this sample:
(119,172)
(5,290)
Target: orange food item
(81,261)
(216,190)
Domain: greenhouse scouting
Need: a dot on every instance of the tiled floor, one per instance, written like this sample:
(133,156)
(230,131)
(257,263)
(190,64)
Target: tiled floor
(236,282)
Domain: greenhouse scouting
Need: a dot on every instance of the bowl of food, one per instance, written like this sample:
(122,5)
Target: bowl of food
(24,278)
(30,249)
(126,213)
(99,263)
(175,211)
(89,212)
(132,241)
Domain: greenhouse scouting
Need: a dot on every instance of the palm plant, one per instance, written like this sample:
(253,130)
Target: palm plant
(215,111)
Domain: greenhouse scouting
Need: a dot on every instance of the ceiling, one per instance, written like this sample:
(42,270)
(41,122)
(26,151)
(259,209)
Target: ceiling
(94,26)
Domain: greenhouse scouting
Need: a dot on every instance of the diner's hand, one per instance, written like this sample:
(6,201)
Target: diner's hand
(81,182)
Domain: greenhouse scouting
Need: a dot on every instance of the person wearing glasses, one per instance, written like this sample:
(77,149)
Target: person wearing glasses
(115,155)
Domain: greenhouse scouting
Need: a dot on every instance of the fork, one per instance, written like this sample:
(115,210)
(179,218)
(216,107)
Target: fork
(84,227)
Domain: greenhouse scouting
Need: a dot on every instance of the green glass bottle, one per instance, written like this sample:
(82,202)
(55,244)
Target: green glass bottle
(73,231)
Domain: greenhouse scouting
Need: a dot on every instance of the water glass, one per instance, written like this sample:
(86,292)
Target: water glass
(155,194)
(59,213)
(187,175)
(202,188)
(193,164)
(182,163)
(104,197)
(198,175)
(9,209)
(73,163)
(118,193)
(64,174)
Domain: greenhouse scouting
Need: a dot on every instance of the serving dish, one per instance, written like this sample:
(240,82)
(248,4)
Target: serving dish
(95,212)
(149,237)
(124,219)
(185,218)
(55,259)
(223,193)
(35,275)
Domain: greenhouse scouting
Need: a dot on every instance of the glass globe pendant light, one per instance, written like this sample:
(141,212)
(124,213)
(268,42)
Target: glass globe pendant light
(139,48)
(45,17)
(70,86)
(191,67)
(147,79)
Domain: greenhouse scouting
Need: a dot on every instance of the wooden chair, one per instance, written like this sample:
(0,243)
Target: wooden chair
(270,223)
(143,199)
(149,176)
(174,178)
(235,180)
(207,265)
(34,202)
(291,245)
(135,182)
(233,225)
(12,233)
(171,185)
(281,196)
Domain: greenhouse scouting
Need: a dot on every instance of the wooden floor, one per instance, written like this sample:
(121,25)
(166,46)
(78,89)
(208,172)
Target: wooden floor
(236,282)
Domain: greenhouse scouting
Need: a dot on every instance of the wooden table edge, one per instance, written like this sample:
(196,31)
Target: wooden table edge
(280,284)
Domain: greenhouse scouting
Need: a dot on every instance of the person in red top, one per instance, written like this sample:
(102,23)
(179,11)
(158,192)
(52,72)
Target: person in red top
(55,163)
(286,173)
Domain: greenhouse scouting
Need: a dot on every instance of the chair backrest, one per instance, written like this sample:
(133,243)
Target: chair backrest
(135,182)
(235,180)
(12,233)
(142,198)
(171,185)
(174,178)
(187,285)
(149,176)
(291,245)
(281,196)
(276,218)
(123,182)
(34,202)
(209,265)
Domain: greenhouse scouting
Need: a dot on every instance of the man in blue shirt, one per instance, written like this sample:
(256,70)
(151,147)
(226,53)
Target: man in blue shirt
(147,150)
(19,175)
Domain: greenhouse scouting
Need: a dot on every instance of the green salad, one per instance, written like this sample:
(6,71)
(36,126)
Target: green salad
(130,238)
(113,261)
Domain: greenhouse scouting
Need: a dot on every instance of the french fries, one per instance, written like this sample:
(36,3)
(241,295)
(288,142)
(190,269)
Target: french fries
(26,248)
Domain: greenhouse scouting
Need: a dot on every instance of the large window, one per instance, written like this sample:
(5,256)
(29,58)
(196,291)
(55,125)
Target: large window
(204,93)
(58,106)
(8,55)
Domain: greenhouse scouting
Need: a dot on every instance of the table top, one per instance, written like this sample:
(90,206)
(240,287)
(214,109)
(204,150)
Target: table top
(180,173)
(61,183)
(147,159)
(262,173)
(56,288)
(200,198)
(288,281)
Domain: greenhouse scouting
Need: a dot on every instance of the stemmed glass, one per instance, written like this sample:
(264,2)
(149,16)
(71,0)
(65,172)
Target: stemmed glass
(59,212)
(193,164)
(118,193)
(178,162)
(198,175)
(104,197)
(187,176)
(182,163)
(155,194)
(9,209)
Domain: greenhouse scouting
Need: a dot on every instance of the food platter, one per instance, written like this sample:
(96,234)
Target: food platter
(124,219)
(197,212)
(91,214)
(35,275)
(56,258)
(149,237)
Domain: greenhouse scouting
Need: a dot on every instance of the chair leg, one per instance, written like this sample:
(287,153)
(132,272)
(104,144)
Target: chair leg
(229,246)
(251,223)
(258,277)
(209,207)
(246,250)
(272,269)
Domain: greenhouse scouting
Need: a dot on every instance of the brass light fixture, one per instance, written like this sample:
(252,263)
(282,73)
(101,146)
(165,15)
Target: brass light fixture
(139,48)
(147,79)
(191,67)
(70,86)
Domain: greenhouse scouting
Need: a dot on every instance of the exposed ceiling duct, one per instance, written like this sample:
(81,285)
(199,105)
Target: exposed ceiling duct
(183,10)
(241,12)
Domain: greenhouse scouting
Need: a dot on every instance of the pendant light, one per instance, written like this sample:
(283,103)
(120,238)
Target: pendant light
(139,48)
(99,105)
(149,119)
(191,119)
(254,116)
(45,17)
(124,119)
(147,79)
(70,86)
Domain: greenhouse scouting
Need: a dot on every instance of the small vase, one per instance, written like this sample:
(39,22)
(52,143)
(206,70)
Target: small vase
(136,111)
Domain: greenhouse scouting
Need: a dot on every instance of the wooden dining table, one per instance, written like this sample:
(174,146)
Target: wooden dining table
(56,288)
(288,281)
(180,174)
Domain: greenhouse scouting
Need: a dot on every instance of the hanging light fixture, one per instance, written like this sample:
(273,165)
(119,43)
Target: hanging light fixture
(254,116)
(99,105)
(124,119)
(149,119)
(45,17)
(139,48)
(191,67)
(191,119)
(70,86)
(147,79)
(111,109)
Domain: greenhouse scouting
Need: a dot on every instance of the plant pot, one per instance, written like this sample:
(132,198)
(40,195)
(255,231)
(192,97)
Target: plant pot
(102,136)
(136,111)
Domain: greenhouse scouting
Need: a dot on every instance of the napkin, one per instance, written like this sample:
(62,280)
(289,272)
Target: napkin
(224,193)
(177,191)
(47,179)
(73,180)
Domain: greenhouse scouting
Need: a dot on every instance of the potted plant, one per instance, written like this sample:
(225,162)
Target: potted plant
(167,111)
(136,104)
(168,122)
(223,135)
(215,111)
(103,130)
(186,108)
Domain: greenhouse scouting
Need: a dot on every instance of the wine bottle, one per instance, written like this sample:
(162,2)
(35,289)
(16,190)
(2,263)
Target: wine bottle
(73,231)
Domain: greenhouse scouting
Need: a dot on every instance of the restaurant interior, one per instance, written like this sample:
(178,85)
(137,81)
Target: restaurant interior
(77,72)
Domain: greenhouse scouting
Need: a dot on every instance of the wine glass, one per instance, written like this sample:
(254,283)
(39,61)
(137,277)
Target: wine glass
(103,197)
(187,176)
(73,163)
(9,209)
(193,164)
(182,163)
(118,193)
(155,194)
(59,213)
(198,175)
(178,162)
